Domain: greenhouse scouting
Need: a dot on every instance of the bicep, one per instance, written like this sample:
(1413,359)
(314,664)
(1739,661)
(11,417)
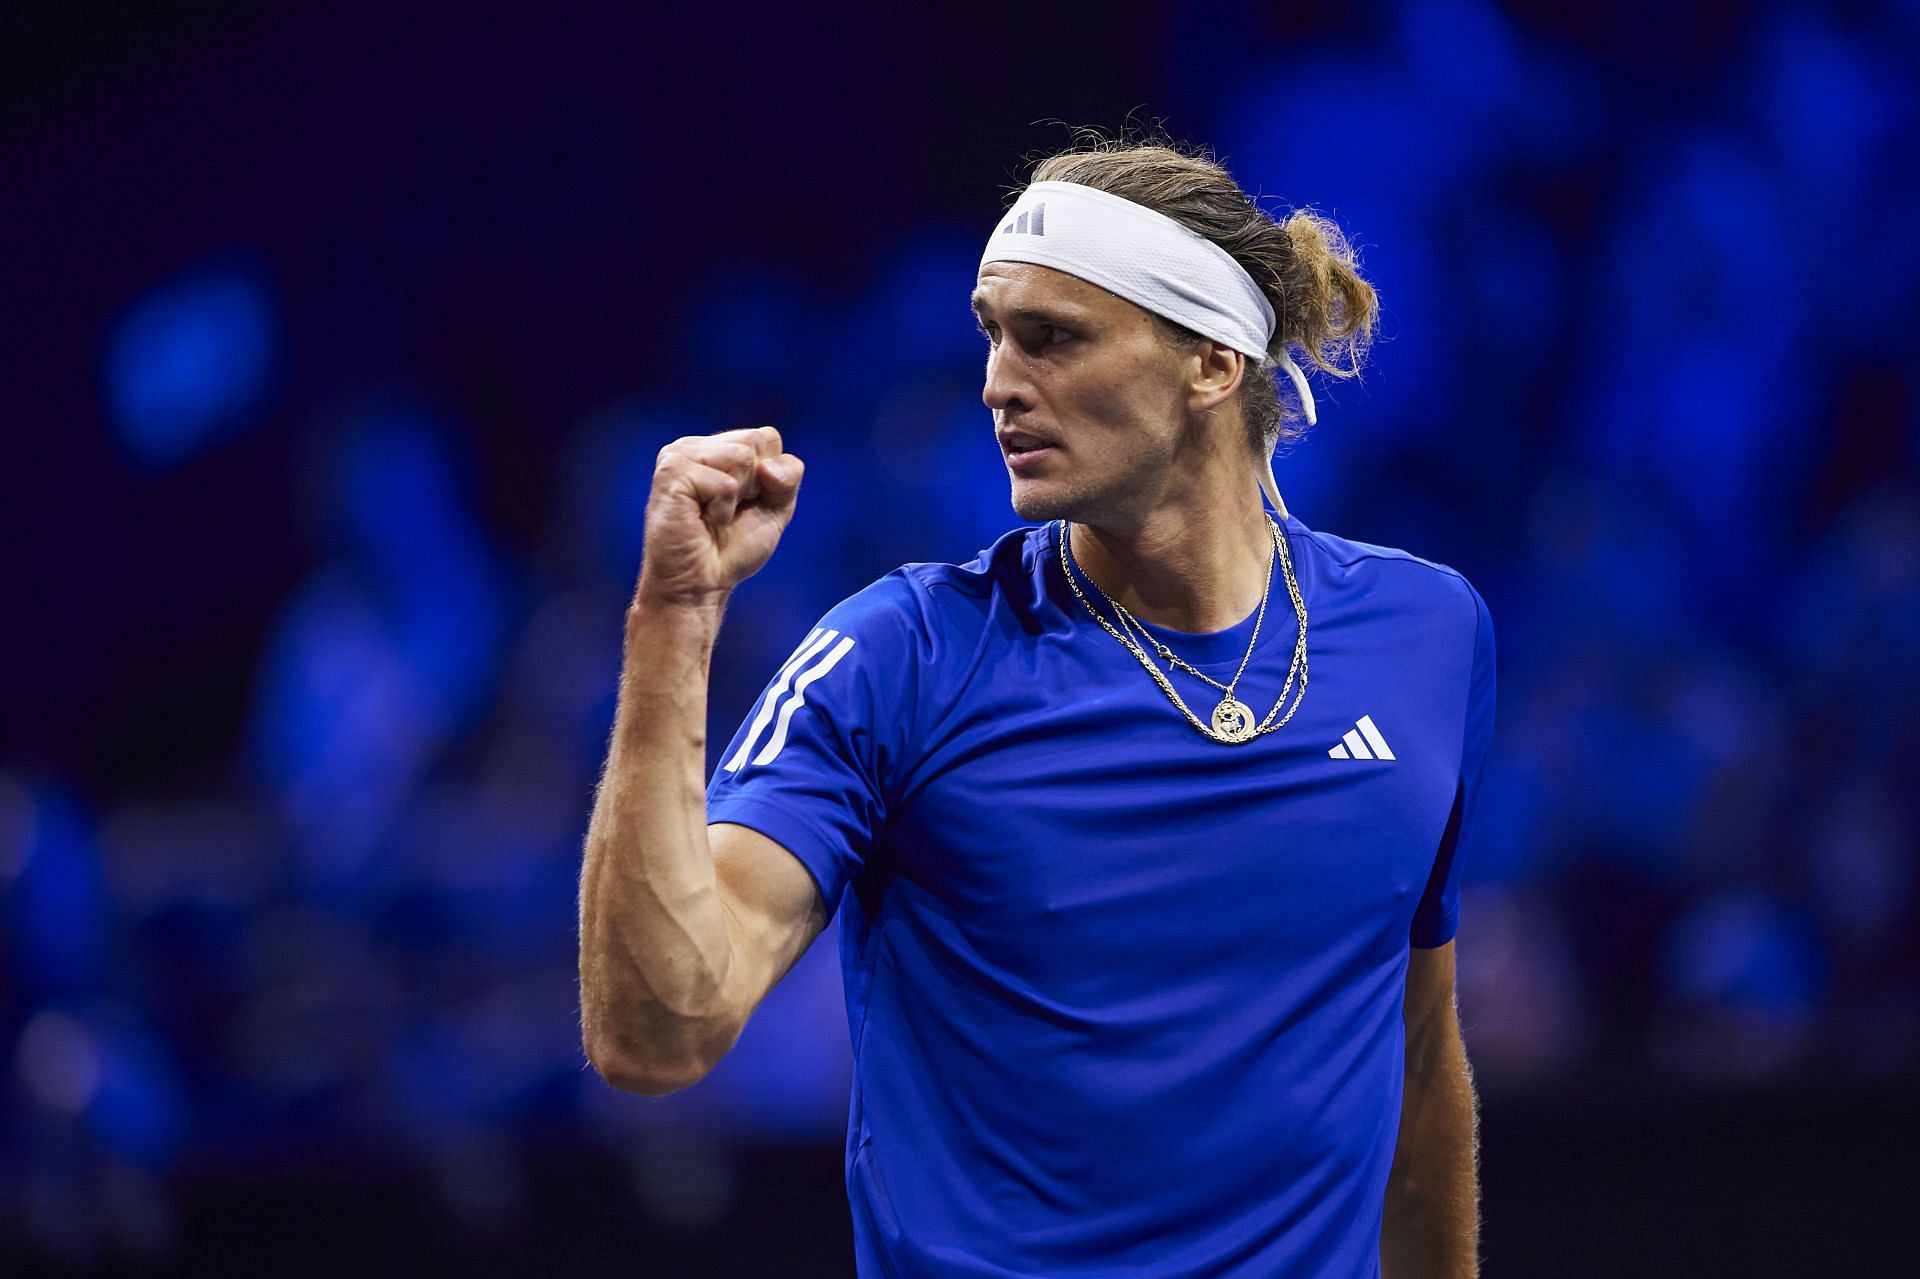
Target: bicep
(773,906)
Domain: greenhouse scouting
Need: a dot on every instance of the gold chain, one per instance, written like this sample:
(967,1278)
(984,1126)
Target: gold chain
(1298,667)
(1132,624)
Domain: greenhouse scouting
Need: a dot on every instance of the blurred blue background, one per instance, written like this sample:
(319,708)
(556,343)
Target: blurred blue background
(337,344)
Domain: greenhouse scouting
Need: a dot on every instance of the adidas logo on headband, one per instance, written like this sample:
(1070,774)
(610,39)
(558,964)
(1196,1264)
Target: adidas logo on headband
(1021,225)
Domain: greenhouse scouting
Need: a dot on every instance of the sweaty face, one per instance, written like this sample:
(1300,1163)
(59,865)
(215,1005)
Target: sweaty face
(1087,399)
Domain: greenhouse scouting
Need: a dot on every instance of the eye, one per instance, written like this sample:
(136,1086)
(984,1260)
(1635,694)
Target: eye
(990,335)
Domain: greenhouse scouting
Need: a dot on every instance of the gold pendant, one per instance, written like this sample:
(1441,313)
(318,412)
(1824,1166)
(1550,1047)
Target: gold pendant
(1232,719)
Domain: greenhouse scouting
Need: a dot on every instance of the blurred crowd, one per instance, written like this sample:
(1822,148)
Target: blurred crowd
(1648,380)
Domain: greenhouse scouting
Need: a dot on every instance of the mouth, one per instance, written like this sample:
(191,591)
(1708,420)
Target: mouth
(1023,448)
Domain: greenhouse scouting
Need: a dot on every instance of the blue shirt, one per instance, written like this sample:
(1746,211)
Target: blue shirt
(1125,1001)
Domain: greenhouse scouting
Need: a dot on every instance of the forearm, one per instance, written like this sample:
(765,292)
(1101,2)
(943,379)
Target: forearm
(654,947)
(1432,1224)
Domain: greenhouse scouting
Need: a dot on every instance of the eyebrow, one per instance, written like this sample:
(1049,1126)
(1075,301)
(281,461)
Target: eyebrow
(1030,313)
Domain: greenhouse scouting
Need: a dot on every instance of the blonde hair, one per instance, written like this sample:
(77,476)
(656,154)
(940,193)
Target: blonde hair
(1304,264)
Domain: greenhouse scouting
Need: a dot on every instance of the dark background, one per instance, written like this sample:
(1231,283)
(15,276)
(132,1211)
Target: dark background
(337,342)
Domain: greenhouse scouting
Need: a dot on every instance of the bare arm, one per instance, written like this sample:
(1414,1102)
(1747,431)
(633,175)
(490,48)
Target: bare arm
(1432,1224)
(684,928)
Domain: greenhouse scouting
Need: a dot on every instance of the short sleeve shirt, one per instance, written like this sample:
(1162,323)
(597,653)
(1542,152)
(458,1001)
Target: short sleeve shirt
(1124,1000)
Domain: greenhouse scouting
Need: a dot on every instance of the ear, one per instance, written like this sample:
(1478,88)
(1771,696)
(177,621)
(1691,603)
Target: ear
(1216,376)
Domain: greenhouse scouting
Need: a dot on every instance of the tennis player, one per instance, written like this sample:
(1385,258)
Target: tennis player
(1145,825)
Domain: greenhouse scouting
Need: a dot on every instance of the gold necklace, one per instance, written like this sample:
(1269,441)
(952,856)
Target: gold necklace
(1231,710)
(1232,718)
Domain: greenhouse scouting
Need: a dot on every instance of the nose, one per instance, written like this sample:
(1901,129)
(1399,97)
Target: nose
(1006,385)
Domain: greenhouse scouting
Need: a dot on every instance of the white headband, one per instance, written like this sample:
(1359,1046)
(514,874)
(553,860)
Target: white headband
(1153,262)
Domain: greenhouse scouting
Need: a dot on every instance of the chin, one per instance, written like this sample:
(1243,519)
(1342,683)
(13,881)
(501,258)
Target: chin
(1039,501)
(1038,506)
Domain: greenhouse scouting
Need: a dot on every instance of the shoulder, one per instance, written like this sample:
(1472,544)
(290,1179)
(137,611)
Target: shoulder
(939,613)
(914,637)
(1405,577)
(926,603)
(1428,614)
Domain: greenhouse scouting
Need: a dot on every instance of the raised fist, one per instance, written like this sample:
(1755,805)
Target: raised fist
(718,507)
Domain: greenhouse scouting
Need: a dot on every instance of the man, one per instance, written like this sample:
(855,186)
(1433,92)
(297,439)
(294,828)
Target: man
(1148,950)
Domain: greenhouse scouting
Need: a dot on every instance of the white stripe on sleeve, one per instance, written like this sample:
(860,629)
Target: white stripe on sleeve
(819,668)
(818,640)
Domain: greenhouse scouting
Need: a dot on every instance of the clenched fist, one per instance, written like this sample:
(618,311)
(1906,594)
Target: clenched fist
(718,507)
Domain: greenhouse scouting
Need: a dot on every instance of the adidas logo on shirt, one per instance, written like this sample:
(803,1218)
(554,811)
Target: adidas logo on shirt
(1363,741)
(1032,222)
(814,658)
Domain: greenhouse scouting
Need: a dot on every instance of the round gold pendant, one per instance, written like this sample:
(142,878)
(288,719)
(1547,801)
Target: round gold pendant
(1233,719)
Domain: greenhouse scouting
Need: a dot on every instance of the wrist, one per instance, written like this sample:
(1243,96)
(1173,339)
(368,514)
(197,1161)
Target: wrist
(666,657)
(669,640)
(691,617)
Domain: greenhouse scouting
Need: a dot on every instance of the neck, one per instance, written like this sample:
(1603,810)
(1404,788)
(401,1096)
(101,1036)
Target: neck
(1200,566)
